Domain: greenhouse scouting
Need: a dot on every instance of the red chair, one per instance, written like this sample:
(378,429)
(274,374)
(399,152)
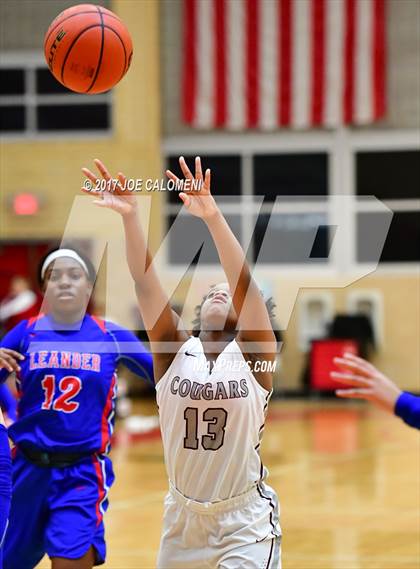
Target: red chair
(321,361)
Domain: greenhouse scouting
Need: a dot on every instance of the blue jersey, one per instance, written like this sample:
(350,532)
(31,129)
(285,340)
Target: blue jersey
(5,485)
(67,382)
(8,402)
(408,408)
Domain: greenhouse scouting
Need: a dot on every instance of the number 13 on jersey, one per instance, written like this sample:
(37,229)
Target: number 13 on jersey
(216,422)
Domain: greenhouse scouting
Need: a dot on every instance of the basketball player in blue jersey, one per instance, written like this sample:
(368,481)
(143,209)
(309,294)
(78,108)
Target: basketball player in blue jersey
(65,363)
(212,397)
(5,482)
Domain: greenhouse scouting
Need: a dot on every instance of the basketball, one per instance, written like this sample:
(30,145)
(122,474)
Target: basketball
(88,48)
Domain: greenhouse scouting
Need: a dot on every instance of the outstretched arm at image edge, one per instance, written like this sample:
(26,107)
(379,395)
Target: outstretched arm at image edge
(408,409)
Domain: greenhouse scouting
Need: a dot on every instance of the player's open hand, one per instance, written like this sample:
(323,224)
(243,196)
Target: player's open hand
(196,194)
(112,193)
(9,359)
(366,382)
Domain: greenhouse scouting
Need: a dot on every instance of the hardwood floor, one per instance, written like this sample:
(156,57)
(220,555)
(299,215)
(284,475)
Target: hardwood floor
(347,475)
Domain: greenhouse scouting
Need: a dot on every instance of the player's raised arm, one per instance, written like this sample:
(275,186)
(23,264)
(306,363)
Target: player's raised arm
(160,321)
(254,321)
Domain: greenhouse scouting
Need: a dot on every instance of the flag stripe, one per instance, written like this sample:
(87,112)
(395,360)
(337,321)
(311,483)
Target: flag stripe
(220,60)
(334,64)
(285,44)
(379,54)
(283,63)
(318,61)
(190,62)
(268,83)
(205,69)
(301,64)
(363,68)
(349,61)
(252,67)
(235,42)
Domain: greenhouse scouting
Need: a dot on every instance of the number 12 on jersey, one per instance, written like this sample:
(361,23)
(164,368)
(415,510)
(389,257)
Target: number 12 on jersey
(216,419)
(68,388)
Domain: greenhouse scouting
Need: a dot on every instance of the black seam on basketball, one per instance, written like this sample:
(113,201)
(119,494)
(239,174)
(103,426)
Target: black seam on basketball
(78,14)
(71,47)
(122,43)
(100,53)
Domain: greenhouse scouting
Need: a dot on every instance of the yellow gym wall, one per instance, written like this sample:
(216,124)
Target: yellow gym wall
(51,167)
(398,356)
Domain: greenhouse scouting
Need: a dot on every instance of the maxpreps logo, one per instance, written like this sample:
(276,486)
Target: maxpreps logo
(54,47)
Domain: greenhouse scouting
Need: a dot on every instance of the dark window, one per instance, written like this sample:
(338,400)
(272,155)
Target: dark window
(189,234)
(225,175)
(46,83)
(12,82)
(402,243)
(12,118)
(292,238)
(388,175)
(290,175)
(73,117)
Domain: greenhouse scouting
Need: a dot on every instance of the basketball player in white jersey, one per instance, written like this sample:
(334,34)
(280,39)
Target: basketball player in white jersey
(219,513)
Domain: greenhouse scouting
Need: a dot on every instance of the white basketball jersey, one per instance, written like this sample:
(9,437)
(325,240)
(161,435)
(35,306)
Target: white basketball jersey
(212,422)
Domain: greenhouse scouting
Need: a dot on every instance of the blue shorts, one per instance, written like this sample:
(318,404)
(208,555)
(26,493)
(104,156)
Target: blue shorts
(58,511)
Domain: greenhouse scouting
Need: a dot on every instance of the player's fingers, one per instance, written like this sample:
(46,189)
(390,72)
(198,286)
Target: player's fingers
(171,176)
(207,180)
(13,353)
(121,184)
(185,198)
(352,366)
(122,178)
(102,169)
(9,363)
(86,190)
(360,361)
(8,358)
(185,170)
(350,379)
(90,175)
(5,365)
(354,393)
(198,169)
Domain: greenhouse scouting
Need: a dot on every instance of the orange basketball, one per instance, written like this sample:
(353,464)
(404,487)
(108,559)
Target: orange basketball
(88,48)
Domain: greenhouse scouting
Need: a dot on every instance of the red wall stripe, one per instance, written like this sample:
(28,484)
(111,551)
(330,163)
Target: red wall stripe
(220,62)
(285,68)
(252,63)
(378,56)
(189,79)
(318,61)
(349,47)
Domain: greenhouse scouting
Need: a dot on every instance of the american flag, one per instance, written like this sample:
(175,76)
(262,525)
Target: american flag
(267,64)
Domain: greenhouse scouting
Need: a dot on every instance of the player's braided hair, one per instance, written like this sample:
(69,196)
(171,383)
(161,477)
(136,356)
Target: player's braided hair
(269,303)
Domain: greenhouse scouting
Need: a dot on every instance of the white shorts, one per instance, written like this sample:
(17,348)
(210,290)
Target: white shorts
(240,532)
